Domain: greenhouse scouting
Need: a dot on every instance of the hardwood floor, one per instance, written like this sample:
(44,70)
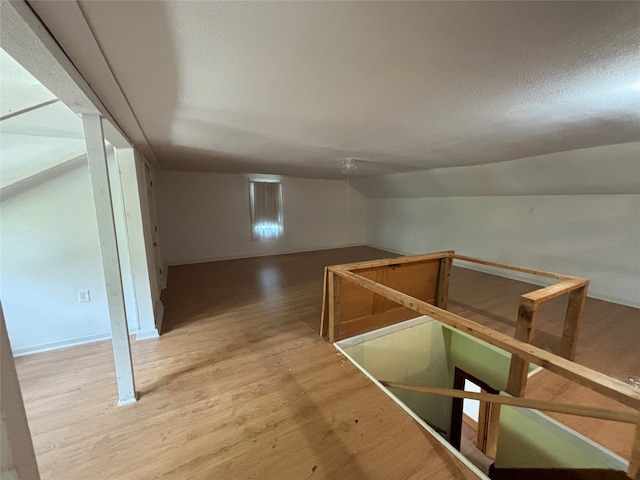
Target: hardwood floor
(241,386)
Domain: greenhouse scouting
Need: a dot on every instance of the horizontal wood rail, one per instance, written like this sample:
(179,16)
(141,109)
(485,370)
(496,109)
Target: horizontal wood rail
(395,261)
(505,266)
(553,291)
(584,376)
(580,410)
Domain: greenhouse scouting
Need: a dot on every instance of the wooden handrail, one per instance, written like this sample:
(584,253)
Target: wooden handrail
(596,381)
(394,261)
(505,266)
(553,291)
(570,409)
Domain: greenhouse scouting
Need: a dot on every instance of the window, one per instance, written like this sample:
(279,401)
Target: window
(266,210)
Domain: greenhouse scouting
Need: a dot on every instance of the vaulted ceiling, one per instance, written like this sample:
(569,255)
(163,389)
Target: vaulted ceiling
(38,133)
(294,88)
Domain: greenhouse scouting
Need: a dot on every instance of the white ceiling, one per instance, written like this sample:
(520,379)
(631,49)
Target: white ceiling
(293,88)
(37,132)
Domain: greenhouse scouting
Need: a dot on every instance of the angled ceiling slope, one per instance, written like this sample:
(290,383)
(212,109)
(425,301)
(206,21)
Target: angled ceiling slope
(293,88)
(38,133)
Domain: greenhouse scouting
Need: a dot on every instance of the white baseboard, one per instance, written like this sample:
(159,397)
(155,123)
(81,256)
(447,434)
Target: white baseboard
(147,335)
(257,255)
(18,352)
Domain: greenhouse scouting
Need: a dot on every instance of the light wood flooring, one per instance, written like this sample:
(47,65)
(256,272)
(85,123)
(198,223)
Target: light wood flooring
(240,385)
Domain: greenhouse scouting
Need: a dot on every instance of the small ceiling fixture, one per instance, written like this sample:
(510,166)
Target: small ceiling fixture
(348,166)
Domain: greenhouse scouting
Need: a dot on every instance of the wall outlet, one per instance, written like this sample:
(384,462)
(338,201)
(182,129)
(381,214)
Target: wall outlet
(84,296)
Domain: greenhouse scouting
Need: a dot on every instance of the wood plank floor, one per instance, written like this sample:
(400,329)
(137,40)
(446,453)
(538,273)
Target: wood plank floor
(239,386)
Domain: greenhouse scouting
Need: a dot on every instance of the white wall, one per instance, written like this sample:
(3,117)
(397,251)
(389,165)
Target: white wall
(593,236)
(139,241)
(205,216)
(49,251)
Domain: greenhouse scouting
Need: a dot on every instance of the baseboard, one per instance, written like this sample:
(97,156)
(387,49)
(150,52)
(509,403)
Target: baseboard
(158,313)
(147,335)
(19,352)
(252,255)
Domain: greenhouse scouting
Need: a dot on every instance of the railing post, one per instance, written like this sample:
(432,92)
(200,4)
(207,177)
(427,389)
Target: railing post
(572,321)
(525,330)
(335,287)
(444,272)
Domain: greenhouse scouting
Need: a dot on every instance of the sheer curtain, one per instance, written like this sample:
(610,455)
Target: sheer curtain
(266,210)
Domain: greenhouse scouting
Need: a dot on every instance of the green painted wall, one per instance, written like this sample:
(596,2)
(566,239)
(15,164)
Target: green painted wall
(415,355)
(427,354)
(530,439)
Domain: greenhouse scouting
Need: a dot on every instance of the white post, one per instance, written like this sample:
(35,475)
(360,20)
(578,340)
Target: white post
(16,447)
(133,191)
(97,157)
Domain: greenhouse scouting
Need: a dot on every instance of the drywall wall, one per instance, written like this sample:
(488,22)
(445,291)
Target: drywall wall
(415,355)
(50,251)
(139,241)
(608,169)
(531,439)
(205,216)
(592,236)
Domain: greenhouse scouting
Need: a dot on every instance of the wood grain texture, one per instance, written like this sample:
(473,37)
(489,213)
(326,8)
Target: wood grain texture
(608,342)
(595,380)
(238,387)
(545,406)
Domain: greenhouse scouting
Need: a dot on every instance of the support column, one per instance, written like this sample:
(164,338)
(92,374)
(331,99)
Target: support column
(18,455)
(97,157)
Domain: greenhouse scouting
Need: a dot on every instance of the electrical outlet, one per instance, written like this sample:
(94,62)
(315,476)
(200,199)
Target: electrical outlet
(84,296)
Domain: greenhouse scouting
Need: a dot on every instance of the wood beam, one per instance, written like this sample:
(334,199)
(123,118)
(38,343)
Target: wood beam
(519,368)
(394,261)
(572,321)
(580,410)
(442,291)
(335,290)
(97,158)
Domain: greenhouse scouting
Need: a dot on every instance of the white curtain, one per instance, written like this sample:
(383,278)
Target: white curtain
(266,210)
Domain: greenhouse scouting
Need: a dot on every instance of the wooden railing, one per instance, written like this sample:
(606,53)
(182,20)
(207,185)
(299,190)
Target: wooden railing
(365,296)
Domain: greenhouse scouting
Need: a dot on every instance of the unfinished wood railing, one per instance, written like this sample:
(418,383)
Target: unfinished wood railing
(361,297)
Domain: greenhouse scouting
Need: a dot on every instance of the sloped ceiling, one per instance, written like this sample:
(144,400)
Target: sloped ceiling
(38,133)
(294,88)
